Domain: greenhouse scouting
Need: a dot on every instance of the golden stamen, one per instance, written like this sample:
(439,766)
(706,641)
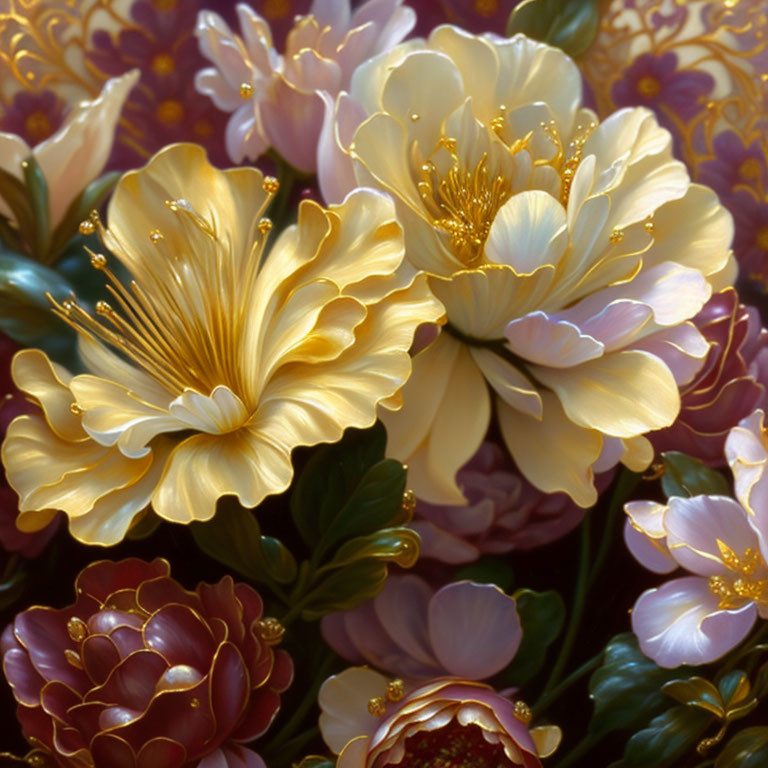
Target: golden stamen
(270,185)
(245,91)
(409,502)
(377,706)
(616,236)
(523,712)
(270,630)
(395,690)
(86,227)
(73,659)
(77,629)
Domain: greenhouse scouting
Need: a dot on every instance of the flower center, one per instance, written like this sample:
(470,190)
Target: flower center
(648,87)
(37,126)
(170,112)
(762,238)
(463,203)
(453,746)
(743,585)
(163,64)
(750,169)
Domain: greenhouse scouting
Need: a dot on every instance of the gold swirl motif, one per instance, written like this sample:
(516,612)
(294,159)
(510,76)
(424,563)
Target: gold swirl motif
(723,38)
(43,45)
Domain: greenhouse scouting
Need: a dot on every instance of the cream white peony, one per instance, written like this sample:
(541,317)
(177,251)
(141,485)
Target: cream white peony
(570,257)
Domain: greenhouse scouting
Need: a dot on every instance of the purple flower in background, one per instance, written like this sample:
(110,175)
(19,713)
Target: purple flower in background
(655,81)
(751,239)
(734,166)
(465,630)
(504,512)
(728,387)
(33,116)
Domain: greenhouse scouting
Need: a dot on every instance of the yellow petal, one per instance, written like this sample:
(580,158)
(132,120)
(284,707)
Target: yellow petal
(48,382)
(622,394)
(554,453)
(547,739)
(510,385)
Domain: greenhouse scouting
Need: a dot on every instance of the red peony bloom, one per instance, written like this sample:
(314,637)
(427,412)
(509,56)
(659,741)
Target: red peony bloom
(730,385)
(140,672)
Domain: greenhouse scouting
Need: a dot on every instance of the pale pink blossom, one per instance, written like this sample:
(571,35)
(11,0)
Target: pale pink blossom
(463,630)
(279,100)
(722,543)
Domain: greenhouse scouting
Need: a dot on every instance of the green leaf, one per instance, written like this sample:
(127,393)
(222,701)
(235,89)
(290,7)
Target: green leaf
(567,24)
(233,537)
(396,545)
(488,570)
(315,761)
(696,692)
(668,737)
(348,489)
(542,615)
(37,192)
(747,749)
(346,588)
(686,476)
(14,193)
(12,582)
(147,524)
(90,199)
(25,311)
(626,689)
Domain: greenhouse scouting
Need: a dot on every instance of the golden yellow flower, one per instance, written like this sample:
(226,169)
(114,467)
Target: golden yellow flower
(570,256)
(215,362)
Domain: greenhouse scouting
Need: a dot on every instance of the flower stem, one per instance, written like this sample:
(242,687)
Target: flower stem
(579,602)
(548,698)
(589,741)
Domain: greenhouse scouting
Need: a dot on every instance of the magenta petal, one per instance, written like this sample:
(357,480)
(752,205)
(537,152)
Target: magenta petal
(105,577)
(22,676)
(57,699)
(132,683)
(236,756)
(161,753)
(105,621)
(85,717)
(334,629)
(153,595)
(181,636)
(474,629)
(282,672)
(219,601)
(229,689)
(262,709)
(253,606)
(127,640)
(110,751)
(99,656)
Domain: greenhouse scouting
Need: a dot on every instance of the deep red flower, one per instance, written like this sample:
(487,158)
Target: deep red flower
(730,385)
(140,672)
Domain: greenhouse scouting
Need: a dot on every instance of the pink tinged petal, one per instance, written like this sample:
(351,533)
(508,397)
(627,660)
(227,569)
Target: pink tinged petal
(746,450)
(181,636)
(99,656)
(355,753)
(402,607)
(161,753)
(547,341)
(335,172)
(681,623)
(85,717)
(650,553)
(648,517)
(253,605)
(614,325)
(529,231)
(474,629)
(441,545)
(57,699)
(236,756)
(696,525)
(211,83)
(133,682)
(244,136)
(334,630)
(682,348)
(111,751)
(103,578)
(230,689)
(292,120)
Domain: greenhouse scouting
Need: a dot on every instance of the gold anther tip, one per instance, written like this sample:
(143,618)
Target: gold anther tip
(270,184)
(270,630)
(77,629)
(173,205)
(103,308)
(523,712)
(78,411)
(73,658)
(409,501)
(194,702)
(616,236)
(264,226)
(395,690)
(377,706)
(245,91)
(156,236)
(86,227)
(415,116)
(98,260)
(68,306)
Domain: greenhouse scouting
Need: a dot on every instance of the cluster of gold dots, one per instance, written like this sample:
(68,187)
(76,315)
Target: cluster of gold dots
(522,712)
(616,236)
(409,502)
(270,185)
(155,236)
(377,706)
(245,91)
(264,226)
(270,630)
